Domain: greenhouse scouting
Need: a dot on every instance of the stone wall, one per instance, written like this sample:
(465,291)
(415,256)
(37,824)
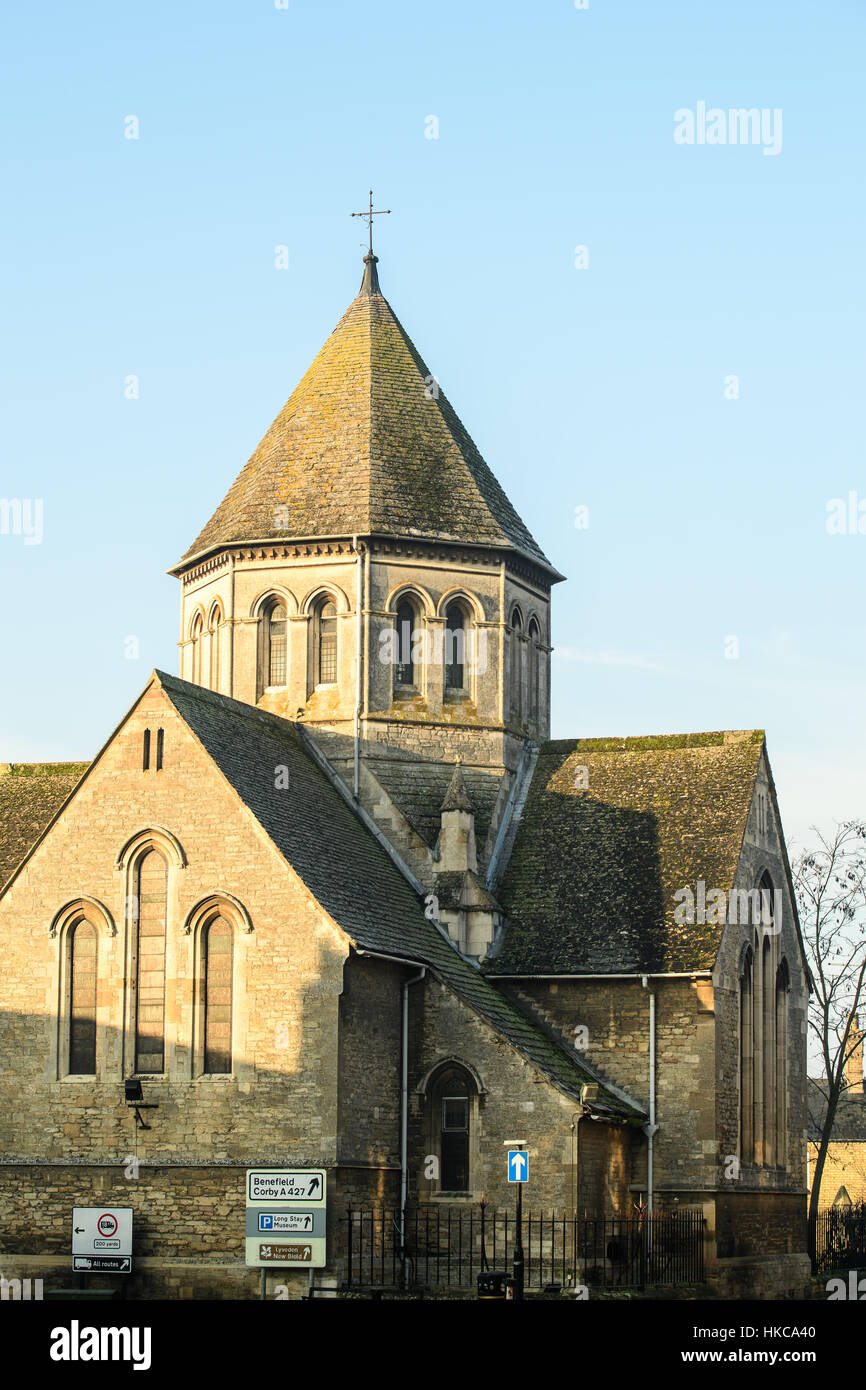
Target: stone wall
(607,1023)
(279,1105)
(514,1101)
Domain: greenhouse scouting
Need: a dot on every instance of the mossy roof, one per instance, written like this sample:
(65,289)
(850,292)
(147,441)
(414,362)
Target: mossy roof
(367,444)
(347,871)
(611,829)
(30,795)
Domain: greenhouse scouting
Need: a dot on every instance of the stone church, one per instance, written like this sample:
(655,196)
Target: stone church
(335,899)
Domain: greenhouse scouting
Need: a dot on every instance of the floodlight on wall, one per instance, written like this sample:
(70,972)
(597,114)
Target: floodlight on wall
(135,1100)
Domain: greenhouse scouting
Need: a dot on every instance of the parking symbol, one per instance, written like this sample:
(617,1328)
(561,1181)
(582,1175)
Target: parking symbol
(266,1223)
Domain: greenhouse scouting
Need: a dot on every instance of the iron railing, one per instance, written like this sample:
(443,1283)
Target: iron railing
(448,1246)
(838,1239)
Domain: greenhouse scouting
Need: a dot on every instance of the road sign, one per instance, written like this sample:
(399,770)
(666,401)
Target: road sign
(284,1254)
(286,1202)
(288,1186)
(102,1264)
(518,1166)
(102,1239)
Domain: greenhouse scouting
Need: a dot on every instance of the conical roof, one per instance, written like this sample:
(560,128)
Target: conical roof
(457,797)
(367,444)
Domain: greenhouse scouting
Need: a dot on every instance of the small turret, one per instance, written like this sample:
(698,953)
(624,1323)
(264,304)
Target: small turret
(466,909)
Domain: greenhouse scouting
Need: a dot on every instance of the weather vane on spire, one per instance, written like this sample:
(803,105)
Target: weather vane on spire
(369,215)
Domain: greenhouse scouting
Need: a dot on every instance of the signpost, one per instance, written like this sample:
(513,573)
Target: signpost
(518,1171)
(102,1240)
(286,1217)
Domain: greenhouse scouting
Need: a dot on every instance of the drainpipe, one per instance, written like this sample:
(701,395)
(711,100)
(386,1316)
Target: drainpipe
(650,1129)
(232,632)
(358,605)
(404,1117)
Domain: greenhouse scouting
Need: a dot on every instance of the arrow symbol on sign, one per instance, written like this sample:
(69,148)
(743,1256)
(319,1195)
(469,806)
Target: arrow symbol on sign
(307,1252)
(314,1183)
(518,1165)
(307,1222)
(79,1230)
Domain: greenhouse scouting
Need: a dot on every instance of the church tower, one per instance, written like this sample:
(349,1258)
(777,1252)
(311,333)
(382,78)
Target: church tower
(367,577)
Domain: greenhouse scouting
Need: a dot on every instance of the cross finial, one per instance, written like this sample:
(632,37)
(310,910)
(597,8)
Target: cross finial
(368,218)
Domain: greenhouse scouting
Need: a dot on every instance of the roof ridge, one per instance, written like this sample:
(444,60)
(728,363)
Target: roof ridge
(711,738)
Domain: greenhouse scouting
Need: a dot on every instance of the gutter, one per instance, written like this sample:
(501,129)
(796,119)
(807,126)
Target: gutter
(635,975)
(404,1117)
(513,810)
(358,621)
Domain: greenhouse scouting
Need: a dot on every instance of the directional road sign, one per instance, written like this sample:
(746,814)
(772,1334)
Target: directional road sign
(291,1186)
(286,1216)
(518,1166)
(102,1239)
(102,1264)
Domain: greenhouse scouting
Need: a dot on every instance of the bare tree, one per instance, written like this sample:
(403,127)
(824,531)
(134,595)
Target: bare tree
(830,883)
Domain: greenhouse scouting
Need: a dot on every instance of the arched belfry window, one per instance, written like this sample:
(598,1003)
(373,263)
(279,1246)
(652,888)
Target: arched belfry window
(516,665)
(217,989)
(277,620)
(534,671)
(273,645)
(326,643)
(214,654)
(196,634)
(149,911)
(455,649)
(404,673)
(82,998)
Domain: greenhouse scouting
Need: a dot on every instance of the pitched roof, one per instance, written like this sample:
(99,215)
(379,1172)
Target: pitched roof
(30,795)
(333,853)
(849,1126)
(367,444)
(610,830)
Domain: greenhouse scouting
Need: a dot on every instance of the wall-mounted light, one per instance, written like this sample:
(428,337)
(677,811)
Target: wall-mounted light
(135,1100)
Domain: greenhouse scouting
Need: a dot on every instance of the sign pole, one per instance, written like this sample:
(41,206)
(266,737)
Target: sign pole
(517,1267)
(518,1171)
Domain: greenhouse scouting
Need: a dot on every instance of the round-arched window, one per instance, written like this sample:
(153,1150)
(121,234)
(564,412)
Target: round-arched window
(404,673)
(455,647)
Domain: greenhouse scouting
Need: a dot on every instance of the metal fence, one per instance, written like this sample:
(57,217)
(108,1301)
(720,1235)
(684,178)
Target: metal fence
(448,1246)
(838,1239)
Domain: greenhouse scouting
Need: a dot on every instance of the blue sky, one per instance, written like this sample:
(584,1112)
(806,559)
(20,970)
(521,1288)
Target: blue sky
(602,387)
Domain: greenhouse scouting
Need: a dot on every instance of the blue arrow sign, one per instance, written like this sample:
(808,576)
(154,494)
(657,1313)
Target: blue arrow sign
(518,1166)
